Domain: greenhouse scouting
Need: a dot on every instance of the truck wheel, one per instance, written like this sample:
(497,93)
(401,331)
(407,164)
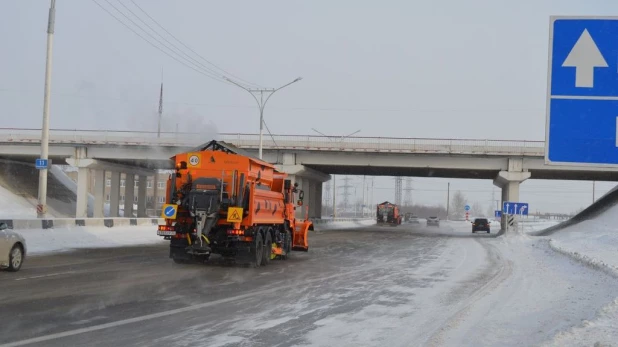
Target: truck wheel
(268,248)
(287,245)
(257,249)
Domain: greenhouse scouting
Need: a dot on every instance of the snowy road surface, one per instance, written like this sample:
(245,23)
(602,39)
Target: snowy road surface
(377,286)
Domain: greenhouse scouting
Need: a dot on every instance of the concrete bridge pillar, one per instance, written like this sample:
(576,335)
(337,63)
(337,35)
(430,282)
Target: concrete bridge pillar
(84,166)
(318,199)
(83,177)
(99,194)
(142,188)
(510,181)
(129,194)
(114,195)
(155,195)
(309,180)
(303,184)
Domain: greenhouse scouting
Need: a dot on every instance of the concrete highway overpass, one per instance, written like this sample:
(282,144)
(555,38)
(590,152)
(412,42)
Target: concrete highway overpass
(507,162)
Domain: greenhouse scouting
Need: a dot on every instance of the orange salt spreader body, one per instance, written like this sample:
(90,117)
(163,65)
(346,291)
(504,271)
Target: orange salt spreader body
(220,201)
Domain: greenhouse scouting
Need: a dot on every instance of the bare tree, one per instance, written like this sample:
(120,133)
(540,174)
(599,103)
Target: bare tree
(476,209)
(490,211)
(458,204)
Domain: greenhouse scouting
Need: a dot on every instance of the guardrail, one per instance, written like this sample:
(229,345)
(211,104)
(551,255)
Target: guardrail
(282,142)
(50,223)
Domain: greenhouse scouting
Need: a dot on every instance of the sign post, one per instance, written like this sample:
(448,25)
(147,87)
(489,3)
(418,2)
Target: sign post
(582,92)
(512,209)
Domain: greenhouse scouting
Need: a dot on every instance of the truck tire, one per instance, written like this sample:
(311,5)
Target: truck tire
(287,244)
(257,250)
(268,248)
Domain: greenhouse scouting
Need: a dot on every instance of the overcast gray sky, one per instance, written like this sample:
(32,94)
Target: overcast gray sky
(440,68)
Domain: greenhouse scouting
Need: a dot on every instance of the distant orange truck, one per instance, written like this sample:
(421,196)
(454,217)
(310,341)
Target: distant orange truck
(388,213)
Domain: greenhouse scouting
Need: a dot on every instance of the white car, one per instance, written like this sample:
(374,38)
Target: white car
(12,249)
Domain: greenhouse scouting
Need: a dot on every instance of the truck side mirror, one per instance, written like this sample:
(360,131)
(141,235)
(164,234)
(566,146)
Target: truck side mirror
(301,195)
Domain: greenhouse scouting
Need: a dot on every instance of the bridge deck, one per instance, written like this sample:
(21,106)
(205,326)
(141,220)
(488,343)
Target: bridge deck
(291,142)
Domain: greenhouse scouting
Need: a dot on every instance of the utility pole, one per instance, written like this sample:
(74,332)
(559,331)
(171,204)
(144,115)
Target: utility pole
(398,190)
(327,195)
(448,199)
(161,112)
(364,201)
(407,197)
(334,196)
(371,199)
(346,192)
(261,103)
(42,203)
(593,191)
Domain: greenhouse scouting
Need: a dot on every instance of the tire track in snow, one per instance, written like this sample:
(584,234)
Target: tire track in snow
(505,270)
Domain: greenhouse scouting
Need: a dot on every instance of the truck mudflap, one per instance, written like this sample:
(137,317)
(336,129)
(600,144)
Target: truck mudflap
(301,231)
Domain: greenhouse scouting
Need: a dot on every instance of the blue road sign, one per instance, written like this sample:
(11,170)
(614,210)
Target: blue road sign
(41,163)
(169,211)
(510,207)
(498,213)
(582,96)
(467,208)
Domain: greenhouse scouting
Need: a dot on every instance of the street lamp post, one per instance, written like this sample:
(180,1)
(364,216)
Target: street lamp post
(334,177)
(42,195)
(261,103)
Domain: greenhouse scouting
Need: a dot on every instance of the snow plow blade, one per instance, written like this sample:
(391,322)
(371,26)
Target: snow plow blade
(301,231)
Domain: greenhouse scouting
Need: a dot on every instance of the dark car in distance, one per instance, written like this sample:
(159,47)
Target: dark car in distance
(480,224)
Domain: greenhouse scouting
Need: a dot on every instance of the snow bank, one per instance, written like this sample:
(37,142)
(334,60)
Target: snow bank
(46,241)
(533,226)
(13,206)
(343,225)
(593,242)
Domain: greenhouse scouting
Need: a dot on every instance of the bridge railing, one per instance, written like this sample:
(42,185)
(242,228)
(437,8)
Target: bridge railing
(388,144)
(299,142)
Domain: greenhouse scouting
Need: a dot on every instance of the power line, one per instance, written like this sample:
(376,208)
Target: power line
(407,200)
(152,44)
(189,48)
(346,191)
(166,40)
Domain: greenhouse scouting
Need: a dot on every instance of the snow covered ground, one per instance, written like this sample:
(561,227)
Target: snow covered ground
(13,206)
(594,243)
(45,241)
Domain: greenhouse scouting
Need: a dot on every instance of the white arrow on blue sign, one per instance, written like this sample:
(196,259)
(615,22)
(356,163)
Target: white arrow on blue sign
(509,207)
(169,211)
(467,208)
(582,92)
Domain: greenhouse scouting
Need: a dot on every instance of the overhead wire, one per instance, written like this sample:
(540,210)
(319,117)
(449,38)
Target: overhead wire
(196,62)
(189,48)
(271,135)
(215,78)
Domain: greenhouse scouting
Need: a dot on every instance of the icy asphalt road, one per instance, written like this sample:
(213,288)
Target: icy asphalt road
(394,286)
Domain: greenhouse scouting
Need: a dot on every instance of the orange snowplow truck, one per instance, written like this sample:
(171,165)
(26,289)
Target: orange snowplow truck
(388,213)
(219,201)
